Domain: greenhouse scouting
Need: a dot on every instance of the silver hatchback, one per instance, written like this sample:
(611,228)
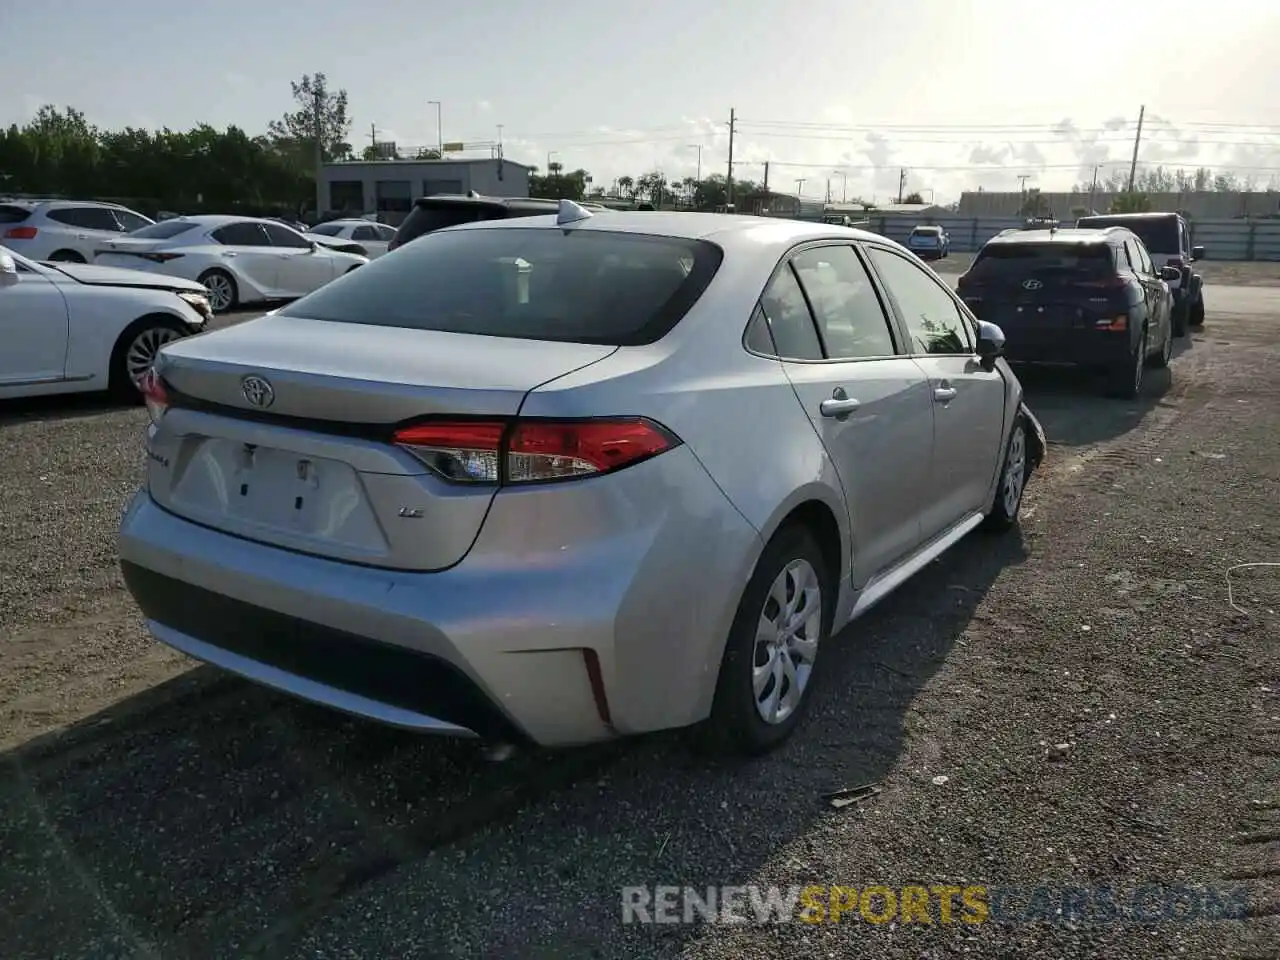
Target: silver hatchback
(566,478)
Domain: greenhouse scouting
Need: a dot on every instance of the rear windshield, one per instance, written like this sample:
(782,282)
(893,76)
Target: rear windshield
(328,229)
(163,230)
(1159,234)
(1010,261)
(926,231)
(428,219)
(586,286)
(11,214)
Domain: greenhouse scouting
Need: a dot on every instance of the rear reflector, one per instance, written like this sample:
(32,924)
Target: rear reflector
(1106,283)
(532,451)
(20,233)
(154,395)
(1115,324)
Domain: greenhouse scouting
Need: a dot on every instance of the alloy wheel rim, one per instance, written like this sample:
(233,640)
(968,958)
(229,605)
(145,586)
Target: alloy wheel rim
(1015,471)
(142,352)
(786,642)
(219,292)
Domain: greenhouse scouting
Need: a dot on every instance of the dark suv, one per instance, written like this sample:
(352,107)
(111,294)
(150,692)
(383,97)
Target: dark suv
(1087,297)
(446,210)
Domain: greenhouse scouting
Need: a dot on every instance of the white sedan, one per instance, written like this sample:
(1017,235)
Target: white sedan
(73,328)
(239,260)
(374,237)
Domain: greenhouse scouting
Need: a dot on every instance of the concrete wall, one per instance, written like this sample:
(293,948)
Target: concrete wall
(389,186)
(1193,204)
(1223,239)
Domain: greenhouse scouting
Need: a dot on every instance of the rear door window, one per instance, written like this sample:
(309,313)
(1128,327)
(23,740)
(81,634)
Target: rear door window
(782,325)
(164,230)
(328,229)
(428,219)
(282,236)
(364,233)
(242,234)
(585,287)
(850,319)
(87,218)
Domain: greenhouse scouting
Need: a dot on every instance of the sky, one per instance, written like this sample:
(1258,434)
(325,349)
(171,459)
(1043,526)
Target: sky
(842,94)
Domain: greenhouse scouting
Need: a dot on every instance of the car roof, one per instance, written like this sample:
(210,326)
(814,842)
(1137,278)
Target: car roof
(726,229)
(1158,215)
(1069,235)
(214,220)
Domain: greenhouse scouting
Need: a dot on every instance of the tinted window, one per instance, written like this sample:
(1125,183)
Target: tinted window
(242,235)
(1158,233)
(364,233)
(163,230)
(282,236)
(584,287)
(428,219)
(926,231)
(86,218)
(328,229)
(131,221)
(933,319)
(999,262)
(384,232)
(790,322)
(850,319)
(10,214)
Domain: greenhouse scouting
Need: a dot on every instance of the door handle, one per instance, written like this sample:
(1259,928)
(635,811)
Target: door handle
(944,394)
(838,407)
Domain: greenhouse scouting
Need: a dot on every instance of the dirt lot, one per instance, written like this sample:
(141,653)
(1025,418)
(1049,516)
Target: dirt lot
(153,809)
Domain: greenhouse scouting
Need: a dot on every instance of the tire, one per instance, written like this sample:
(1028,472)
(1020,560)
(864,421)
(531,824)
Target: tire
(736,726)
(1161,360)
(1125,380)
(1197,312)
(134,352)
(1181,312)
(66,256)
(224,295)
(1002,516)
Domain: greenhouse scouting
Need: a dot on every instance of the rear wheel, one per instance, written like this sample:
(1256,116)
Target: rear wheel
(66,256)
(783,617)
(1126,378)
(223,293)
(135,352)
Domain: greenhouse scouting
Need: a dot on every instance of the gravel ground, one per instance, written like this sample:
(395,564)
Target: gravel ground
(153,809)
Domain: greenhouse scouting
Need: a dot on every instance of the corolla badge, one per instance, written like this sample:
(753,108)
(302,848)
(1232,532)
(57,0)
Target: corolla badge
(258,392)
(1031,284)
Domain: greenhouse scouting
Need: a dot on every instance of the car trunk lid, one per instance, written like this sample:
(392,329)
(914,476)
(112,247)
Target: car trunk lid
(280,431)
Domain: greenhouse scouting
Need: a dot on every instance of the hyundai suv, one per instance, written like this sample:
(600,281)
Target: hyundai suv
(1167,237)
(447,210)
(1092,298)
(67,231)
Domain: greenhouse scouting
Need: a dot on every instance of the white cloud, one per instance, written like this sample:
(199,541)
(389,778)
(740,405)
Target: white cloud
(484,106)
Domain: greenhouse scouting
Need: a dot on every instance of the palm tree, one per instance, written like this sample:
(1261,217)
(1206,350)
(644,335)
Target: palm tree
(627,186)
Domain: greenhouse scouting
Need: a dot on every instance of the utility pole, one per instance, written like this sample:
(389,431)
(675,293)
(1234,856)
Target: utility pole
(500,141)
(373,138)
(317,109)
(1093,187)
(732,123)
(698,147)
(766,179)
(800,181)
(844,187)
(828,189)
(1133,165)
(902,182)
(1022,183)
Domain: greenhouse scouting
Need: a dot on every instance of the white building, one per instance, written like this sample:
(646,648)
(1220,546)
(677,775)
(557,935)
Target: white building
(389,187)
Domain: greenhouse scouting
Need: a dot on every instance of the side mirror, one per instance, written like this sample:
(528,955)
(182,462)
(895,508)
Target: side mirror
(1170,273)
(1197,253)
(990,344)
(8,270)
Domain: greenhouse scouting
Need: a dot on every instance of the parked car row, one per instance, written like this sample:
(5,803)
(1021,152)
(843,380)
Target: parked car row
(1092,296)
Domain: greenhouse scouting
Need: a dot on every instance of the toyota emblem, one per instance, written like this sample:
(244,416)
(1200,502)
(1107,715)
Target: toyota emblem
(258,392)
(1026,285)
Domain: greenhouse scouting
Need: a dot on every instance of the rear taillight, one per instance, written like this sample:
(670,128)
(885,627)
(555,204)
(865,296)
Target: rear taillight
(154,395)
(20,233)
(532,451)
(160,257)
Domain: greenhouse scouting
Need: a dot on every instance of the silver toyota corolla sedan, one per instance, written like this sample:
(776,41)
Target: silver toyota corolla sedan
(565,478)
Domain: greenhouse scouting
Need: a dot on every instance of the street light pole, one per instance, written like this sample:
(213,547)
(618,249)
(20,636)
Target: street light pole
(698,147)
(439,128)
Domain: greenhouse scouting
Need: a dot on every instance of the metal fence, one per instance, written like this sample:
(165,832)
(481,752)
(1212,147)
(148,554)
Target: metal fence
(1221,239)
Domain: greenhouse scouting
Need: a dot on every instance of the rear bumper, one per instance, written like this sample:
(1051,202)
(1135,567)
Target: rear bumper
(537,635)
(1084,348)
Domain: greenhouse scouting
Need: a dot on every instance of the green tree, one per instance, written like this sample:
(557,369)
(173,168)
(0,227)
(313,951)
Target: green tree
(913,198)
(1131,202)
(320,111)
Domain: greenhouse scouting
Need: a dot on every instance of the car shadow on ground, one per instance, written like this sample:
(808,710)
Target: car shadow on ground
(209,817)
(1075,409)
(72,406)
